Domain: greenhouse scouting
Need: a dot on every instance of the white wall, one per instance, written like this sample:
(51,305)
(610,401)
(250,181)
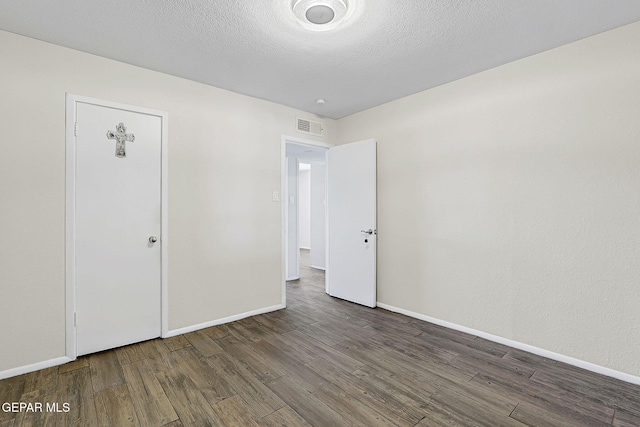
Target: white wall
(304,208)
(224,230)
(318,215)
(508,201)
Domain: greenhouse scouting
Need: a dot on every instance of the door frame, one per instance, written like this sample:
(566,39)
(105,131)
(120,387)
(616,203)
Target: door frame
(286,195)
(284,215)
(71,101)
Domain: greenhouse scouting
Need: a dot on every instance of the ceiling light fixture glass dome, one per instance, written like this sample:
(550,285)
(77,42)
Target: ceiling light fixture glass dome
(320,15)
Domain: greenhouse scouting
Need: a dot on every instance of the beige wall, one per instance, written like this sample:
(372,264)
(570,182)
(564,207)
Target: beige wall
(224,162)
(509,201)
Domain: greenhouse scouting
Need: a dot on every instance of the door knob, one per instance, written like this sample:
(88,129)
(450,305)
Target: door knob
(369,231)
(153,239)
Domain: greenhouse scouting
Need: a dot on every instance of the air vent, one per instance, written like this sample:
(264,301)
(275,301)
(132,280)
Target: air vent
(307,126)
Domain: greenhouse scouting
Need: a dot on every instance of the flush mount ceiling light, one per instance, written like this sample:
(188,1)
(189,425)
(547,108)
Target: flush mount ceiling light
(320,15)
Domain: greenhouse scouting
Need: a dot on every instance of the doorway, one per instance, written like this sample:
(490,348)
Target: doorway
(116,247)
(304,209)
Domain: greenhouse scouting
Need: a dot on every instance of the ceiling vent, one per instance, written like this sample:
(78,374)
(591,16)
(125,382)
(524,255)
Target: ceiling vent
(307,126)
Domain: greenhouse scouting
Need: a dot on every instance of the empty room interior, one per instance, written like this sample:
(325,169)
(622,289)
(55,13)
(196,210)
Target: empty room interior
(320,212)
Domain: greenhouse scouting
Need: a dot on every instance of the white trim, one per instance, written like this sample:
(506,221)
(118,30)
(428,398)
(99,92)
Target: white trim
(303,247)
(34,367)
(518,345)
(164,225)
(284,203)
(326,224)
(217,322)
(70,220)
(297,210)
(317,268)
(284,218)
(65,359)
(70,184)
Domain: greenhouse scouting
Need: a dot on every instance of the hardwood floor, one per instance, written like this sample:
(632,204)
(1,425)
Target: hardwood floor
(321,362)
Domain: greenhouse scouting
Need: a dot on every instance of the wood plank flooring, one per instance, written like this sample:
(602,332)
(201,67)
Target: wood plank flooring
(321,362)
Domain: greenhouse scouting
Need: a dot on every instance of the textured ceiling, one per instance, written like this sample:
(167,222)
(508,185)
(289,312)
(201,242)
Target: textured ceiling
(386,50)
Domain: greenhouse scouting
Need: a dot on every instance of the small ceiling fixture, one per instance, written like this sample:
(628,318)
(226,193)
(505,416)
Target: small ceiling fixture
(320,15)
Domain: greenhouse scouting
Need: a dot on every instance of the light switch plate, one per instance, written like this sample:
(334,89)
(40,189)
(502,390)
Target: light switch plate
(275,196)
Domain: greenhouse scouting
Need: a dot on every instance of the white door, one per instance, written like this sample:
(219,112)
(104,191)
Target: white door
(117,227)
(351,199)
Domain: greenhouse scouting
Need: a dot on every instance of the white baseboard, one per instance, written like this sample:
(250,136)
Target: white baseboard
(62,360)
(216,322)
(317,268)
(518,345)
(34,367)
(289,279)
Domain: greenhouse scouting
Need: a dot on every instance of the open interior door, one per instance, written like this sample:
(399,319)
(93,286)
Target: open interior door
(351,199)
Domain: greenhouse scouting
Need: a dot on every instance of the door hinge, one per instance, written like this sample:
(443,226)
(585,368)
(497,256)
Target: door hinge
(75,129)
(75,319)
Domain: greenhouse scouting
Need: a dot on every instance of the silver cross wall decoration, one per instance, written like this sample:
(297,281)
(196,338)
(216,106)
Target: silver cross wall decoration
(121,136)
